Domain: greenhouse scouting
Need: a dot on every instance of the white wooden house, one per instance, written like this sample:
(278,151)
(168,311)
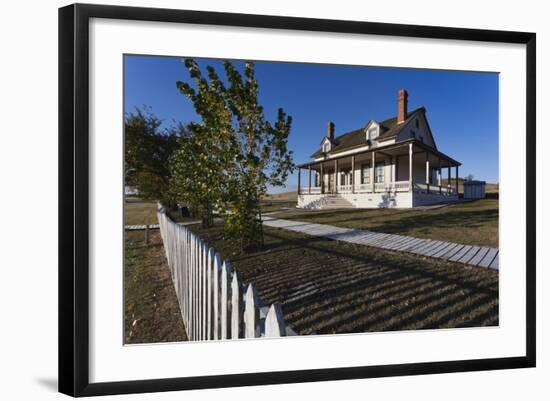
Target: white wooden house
(390,163)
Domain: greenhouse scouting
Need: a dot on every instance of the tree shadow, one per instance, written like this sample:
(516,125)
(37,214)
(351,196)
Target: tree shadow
(327,307)
(328,286)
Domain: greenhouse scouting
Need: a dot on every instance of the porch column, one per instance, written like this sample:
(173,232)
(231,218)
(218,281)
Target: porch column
(353,174)
(323,179)
(336,176)
(309,182)
(410,167)
(299,176)
(394,168)
(373,163)
(456,180)
(439,174)
(427,172)
(449,177)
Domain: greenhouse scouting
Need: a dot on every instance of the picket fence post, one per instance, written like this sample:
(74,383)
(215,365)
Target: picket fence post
(204,269)
(236,306)
(188,274)
(216,292)
(175,269)
(199,288)
(209,294)
(251,313)
(224,319)
(194,288)
(274,323)
(185,277)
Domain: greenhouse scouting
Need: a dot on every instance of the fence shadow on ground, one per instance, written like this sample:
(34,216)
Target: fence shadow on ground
(333,287)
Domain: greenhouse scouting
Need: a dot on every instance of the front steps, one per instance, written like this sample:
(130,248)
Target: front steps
(336,202)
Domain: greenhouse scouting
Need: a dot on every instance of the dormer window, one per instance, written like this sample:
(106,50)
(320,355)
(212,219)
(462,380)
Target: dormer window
(326,147)
(372,133)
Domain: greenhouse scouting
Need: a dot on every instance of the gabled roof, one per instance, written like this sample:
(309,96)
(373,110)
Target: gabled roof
(388,129)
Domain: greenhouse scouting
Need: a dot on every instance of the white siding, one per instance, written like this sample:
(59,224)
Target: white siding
(422,132)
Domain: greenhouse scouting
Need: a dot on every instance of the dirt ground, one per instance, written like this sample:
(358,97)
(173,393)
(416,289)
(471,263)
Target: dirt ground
(151,312)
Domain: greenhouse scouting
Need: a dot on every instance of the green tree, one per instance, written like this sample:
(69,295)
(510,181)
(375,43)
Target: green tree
(250,153)
(197,170)
(148,150)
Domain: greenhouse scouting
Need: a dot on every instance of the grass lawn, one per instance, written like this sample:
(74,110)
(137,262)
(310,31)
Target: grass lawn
(137,211)
(330,287)
(272,206)
(490,188)
(151,311)
(279,201)
(471,223)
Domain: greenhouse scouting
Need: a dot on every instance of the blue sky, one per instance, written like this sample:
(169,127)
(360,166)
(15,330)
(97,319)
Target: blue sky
(462,107)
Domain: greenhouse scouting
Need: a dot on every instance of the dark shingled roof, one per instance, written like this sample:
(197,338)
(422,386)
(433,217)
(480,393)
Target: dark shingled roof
(388,129)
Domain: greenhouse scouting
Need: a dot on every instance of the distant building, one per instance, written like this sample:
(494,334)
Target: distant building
(129,191)
(474,189)
(390,163)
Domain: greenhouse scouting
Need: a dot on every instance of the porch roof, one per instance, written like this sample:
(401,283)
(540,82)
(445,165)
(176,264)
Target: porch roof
(393,149)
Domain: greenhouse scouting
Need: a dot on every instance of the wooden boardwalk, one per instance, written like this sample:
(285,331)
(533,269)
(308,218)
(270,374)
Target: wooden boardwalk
(138,227)
(450,251)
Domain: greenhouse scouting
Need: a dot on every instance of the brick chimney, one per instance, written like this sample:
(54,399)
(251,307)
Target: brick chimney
(402,96)
(330,131)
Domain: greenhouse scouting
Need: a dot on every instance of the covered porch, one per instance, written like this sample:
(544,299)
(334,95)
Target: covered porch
(408,166)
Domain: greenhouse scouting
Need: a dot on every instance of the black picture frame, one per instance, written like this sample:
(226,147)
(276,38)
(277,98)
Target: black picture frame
(74,200)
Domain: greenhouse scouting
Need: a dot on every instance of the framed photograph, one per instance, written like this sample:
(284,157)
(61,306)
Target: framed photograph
(251,199)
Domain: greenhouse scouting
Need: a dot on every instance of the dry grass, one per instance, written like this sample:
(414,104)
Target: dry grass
(137,211)
(151,311)
(472,223)
(283,196)
(490,188)
(330,287)
(279,201)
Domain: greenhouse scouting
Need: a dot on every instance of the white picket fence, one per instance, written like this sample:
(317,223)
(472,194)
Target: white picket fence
(212,299)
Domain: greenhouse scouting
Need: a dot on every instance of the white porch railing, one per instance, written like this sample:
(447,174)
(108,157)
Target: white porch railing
(433,188)
(398,186)
(401,186)
(310,191)
(344,189)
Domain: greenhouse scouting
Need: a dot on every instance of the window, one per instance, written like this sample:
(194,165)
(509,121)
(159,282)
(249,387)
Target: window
(365,173)
(343,178)
(326,146)
(373,133)
(417,123)
(379,172)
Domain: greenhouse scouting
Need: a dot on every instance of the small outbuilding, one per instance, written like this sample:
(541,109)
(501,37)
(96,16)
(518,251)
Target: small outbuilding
(474,189)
